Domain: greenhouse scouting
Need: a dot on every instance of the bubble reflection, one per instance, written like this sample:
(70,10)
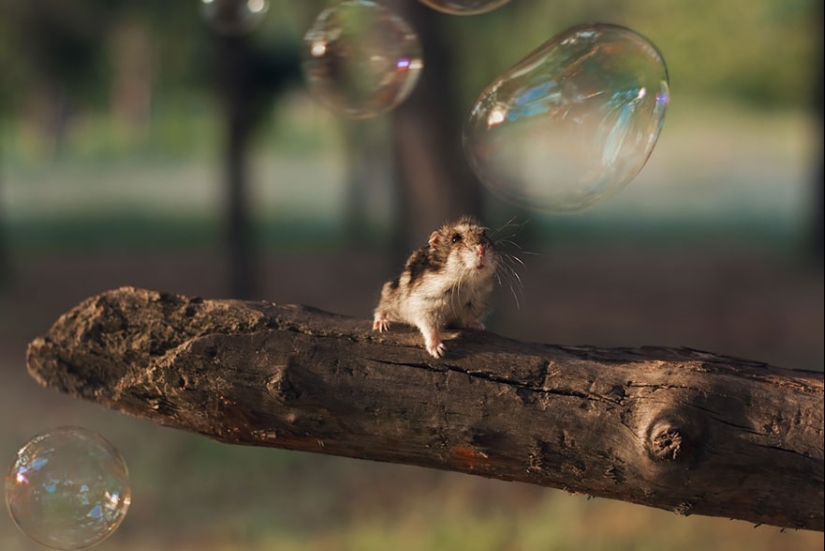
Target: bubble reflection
(361,59)
(464,7)
(573,122)
(68,488)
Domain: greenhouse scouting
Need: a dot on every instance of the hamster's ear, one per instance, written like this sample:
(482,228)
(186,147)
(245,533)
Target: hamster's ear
(434,239)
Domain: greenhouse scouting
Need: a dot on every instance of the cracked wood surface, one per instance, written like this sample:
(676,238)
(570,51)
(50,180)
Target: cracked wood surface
(677,429)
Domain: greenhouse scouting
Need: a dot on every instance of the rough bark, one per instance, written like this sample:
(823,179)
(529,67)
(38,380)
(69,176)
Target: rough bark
(677,429)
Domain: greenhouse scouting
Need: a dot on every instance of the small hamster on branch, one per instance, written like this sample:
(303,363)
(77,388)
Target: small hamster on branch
(449,281)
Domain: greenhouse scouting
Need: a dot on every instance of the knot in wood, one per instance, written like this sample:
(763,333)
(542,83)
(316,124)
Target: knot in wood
(671,441)
(669,444)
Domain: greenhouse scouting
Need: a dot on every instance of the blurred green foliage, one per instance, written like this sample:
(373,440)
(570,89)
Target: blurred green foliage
(762,51)
(59,59)
(67,65)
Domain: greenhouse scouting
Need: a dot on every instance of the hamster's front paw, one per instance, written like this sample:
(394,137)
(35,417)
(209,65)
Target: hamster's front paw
(434,345)
(380,323)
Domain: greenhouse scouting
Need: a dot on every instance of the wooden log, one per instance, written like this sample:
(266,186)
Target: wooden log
(677,429)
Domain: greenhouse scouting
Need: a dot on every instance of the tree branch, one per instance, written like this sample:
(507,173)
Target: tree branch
(677,429)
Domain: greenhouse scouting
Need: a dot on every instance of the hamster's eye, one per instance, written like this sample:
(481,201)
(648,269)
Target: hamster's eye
(456,237)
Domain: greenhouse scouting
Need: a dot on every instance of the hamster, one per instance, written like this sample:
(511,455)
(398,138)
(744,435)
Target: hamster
(448,282)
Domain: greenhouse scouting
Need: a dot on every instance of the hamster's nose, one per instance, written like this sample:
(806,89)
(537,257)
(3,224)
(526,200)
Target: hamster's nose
(480,250)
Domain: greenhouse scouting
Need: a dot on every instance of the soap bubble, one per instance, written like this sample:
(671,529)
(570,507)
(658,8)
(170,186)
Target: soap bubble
(232,17)
(361,59)
(573,122)
(68,488)
(464,7)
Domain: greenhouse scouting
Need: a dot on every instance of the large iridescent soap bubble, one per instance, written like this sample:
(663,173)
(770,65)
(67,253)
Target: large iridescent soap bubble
(573,122)
(361,59)
(464,7)
(68,488)
(234,17)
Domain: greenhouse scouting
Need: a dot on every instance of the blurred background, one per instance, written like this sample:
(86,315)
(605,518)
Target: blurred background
(139,147)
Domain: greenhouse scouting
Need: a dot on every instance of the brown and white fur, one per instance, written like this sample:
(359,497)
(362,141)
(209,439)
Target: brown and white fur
(448,282)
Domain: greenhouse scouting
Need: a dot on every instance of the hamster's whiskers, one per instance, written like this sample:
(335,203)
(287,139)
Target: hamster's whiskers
(455,292)
(507,270)
(511,223)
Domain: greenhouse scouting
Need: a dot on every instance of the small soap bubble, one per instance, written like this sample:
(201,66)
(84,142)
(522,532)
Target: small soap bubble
(68,488)
(233,17)
(361,59)
(573,122)
(464,7)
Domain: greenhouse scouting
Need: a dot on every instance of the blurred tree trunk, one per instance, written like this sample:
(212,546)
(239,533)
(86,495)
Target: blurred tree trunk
(817,238)
(248,81)
(5,266)
(435,183)
(366,199)
(233,79)
(130,94)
